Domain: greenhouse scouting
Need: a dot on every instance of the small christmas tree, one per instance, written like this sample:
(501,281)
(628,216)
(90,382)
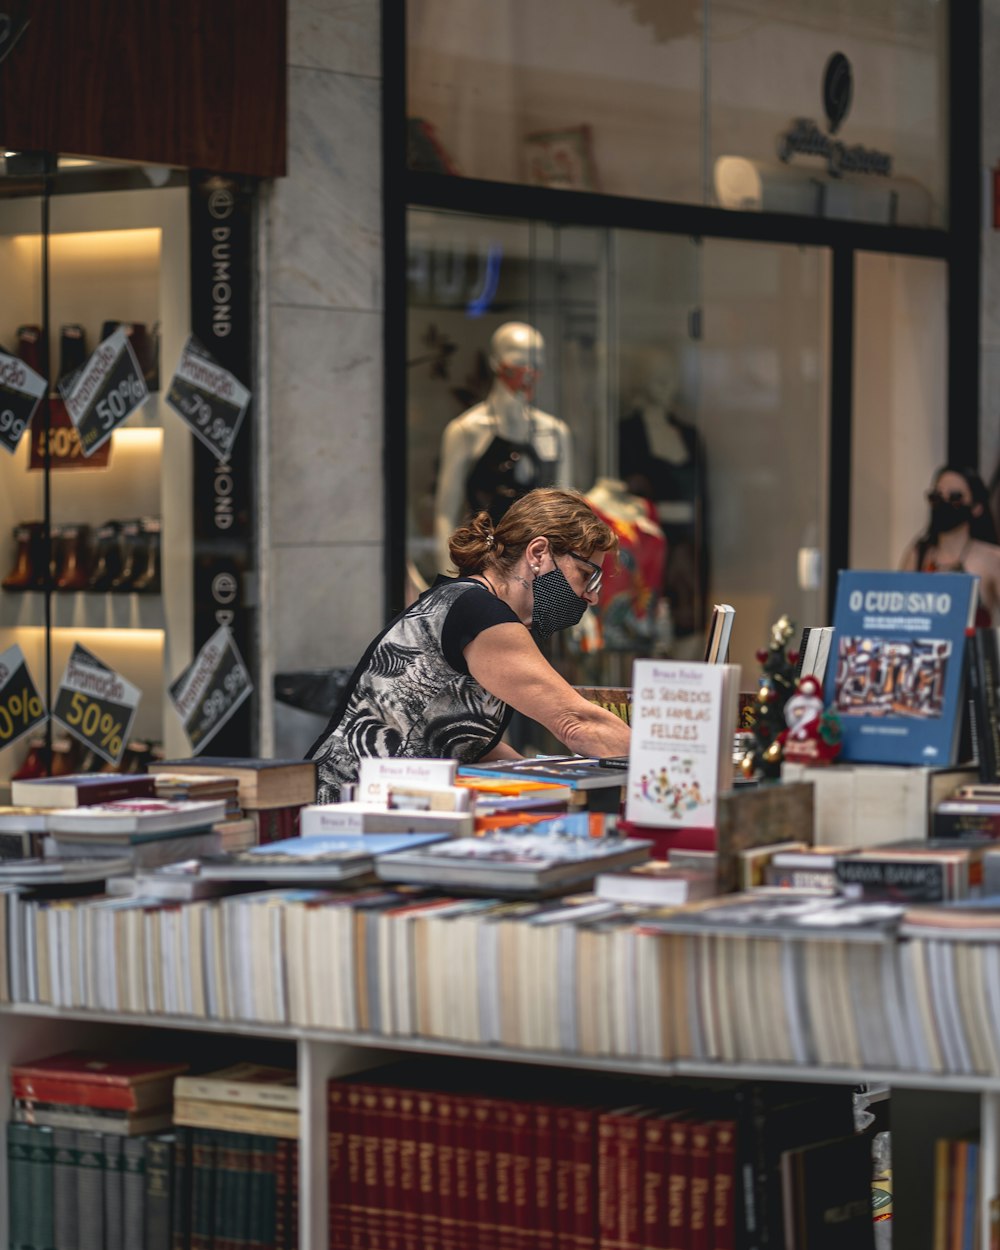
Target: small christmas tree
(767,717)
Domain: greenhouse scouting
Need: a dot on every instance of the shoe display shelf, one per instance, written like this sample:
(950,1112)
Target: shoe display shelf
(121,547)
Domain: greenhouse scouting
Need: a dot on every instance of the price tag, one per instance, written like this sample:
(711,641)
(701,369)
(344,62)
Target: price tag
(96,704)
(21,706)
(210,690)
(21,391)
(106,391)
(209,398)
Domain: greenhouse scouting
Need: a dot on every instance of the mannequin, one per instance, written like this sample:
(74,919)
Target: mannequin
(500,449)
(661,457)
(626,617)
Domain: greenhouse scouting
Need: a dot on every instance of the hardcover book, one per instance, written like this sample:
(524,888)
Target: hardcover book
(93,1080)
(262,783)
(79,789)
(897,672)
(683,718)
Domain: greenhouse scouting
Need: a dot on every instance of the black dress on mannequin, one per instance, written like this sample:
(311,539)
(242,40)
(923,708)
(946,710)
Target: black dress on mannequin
(504,472)
(685,580)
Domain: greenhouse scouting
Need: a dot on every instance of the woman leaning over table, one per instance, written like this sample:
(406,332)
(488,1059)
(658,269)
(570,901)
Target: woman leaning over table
(443,677)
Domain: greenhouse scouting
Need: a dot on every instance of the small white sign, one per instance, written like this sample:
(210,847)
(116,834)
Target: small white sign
(376,776)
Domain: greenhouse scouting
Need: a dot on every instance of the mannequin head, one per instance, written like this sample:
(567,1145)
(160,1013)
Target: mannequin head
(517,357)
(662,379)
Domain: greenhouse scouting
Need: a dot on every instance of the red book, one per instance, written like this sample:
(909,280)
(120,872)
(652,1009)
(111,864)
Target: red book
(88,1080)
(293,1206)
(452,1236)
(653,1233)
(525,1207)
(371,1170)
(357,1217)
(274,824)
(678,1185)
(619,1176)
(484,1189)
(430,1215)
(392,1208)
(339,1184)
(700,1204)
(465,1198)
(282,1196)
(508,1237)
(575,1177)
(724,1185)
(409,1179)
(545,1184)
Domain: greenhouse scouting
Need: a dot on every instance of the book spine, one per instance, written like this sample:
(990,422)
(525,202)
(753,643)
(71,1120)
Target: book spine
(262,1207)
(64,1164)
(337,1175)
(40,1187)
(629,1172)
(408,1173)
(678,1184)
(451,1235)
(282,1194)
(18,1184)
(371,1171)
(180,1220)
(159,1191)
(653,1215)
(392,1214)
(608,1192)
(503,1172)
(90,1192)
(247,1219)
(223,1205)
(465,1199)
(723,1185)
(523,1149)
(202,1189)
(484,1186)
(358,1219)
(583,1152)
(134,1191)
(895,879)
(987,664)
(293,1191)
(544,1177)
(427,1168)
(114,1212)
(700,1217)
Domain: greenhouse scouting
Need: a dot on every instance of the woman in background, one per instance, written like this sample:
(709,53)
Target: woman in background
(960,537)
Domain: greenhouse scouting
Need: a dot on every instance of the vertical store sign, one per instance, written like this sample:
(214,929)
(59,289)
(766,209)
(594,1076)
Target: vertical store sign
(221,211)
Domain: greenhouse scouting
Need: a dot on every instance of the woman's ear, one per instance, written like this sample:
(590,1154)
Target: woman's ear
(536,549)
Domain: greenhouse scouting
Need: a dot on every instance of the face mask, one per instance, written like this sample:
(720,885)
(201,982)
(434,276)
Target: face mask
(949,516)
(519,379)
(556,604)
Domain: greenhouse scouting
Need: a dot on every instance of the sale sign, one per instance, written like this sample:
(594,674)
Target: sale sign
(105,392)
(21,391)
(209,398)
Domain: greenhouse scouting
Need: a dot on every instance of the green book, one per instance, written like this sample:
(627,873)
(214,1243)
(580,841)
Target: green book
(203,1178)
(19,1185)
(180,1219)
(42,1154)
(64,1165)
(134,1191)
(90,1191)
(114,1229)
(159,1190)
(263,1191)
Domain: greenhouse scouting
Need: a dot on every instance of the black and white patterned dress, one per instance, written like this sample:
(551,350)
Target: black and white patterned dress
(412,693)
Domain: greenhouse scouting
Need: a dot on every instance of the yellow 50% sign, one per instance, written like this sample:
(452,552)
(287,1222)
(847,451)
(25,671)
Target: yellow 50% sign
(96,704)
(21,706)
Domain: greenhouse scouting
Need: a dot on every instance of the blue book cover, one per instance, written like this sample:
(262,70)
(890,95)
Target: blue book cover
(896,676)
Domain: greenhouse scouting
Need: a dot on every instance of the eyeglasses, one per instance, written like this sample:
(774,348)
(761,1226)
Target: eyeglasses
(596,577)
(953,497)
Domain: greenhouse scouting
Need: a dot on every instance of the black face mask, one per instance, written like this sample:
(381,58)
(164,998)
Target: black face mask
(946,517)
(556,604)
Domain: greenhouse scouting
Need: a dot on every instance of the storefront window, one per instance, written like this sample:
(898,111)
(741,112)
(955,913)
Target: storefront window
(681,102)
(681,385)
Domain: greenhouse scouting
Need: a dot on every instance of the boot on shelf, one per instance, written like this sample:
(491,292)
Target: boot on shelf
(28,572)
(147,579)
(107,556)
(72,350)
(29,347)
(66,752)
(133,545)
(73,567)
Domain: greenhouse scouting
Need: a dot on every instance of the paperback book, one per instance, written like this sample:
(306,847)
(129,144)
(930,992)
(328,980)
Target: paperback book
(313,860)
(512,863)
(131,820)
(578,772)
(683,718)
(897,673)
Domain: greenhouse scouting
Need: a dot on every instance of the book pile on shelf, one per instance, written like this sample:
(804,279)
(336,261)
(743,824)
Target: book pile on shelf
(422,1155)
(271,793)
(101,1152)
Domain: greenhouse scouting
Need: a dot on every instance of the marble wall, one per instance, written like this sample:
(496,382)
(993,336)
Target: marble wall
(321,485)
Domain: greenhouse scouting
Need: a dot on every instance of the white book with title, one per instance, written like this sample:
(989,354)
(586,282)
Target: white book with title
(683,720)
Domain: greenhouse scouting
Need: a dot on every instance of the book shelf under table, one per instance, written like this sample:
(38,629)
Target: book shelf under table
(925,1105)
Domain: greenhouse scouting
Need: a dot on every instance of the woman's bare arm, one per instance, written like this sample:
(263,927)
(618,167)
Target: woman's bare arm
(505,661)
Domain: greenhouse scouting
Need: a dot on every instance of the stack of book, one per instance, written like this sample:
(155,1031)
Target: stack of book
(147,831)
(271,792)
(236,831)
(243,1098)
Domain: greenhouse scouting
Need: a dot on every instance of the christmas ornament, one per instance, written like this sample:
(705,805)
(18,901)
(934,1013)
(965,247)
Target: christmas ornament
(776,685)
(813,734)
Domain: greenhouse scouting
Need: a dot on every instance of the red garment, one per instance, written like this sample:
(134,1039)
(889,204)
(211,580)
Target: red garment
(626,608)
